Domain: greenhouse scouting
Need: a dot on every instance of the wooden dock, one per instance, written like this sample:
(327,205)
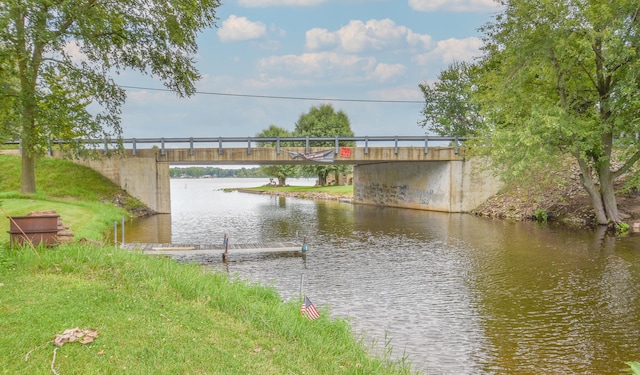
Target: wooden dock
(211,249)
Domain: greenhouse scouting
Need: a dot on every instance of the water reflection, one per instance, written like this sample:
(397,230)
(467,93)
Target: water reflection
(456,293)
(152,229)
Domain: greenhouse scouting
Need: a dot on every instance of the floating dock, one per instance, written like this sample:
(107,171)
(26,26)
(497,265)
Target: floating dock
(210,249)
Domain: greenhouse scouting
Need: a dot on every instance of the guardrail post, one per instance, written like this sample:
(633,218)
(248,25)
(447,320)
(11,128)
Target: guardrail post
(366,145)
(106,148)
(162,151)
(455,150)
(191,152)
(249,146)
(278,145)
(219,145)
(49,150)
(395,149)
(133,145)
(426,145)
(337,143)
(20,146)
(307,144)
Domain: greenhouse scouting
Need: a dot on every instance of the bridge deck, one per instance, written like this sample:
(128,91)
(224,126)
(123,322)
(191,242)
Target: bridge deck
(214,249)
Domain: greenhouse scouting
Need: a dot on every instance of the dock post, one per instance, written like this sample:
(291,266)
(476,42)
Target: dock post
(225,255)
(122,231)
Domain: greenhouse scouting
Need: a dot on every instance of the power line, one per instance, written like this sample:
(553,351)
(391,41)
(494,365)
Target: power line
(282,97)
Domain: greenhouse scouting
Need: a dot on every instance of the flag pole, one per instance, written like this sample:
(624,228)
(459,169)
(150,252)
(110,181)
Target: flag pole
(301,283)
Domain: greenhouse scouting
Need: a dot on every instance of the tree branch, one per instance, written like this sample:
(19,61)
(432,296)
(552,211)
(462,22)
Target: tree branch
(630,162)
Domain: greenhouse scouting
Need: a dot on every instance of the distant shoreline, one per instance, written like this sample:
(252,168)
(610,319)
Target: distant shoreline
(304,194)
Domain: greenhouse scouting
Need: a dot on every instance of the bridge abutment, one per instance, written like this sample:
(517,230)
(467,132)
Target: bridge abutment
(145,177)
(447,186)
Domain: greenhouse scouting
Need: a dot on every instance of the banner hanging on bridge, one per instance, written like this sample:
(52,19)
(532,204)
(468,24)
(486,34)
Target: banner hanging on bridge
(319,156)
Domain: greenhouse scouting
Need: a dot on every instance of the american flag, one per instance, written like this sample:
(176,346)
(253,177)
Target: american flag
(308,309)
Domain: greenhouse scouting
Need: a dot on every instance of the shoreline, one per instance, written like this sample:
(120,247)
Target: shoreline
(345,198)
(508,205)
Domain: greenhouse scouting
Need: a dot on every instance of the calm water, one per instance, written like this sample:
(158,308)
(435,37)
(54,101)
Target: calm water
(455,293)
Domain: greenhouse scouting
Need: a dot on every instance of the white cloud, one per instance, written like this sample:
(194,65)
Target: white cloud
(271,3)
(358,36)
(320,65)
(453,5)
(386,72)
(397,93)
(236,29)
(450,50)
(317,38)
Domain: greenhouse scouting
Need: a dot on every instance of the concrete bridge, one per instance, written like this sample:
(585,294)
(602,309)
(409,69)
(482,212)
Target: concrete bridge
(427,173)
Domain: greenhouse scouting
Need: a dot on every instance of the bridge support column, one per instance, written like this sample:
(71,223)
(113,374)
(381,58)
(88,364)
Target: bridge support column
(447,186)
(145,177)
(148,180)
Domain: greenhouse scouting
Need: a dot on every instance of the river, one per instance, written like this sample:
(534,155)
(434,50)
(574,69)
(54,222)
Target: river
(453,293)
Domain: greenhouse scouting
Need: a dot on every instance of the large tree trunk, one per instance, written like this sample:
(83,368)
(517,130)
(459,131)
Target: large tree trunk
(322,179)
(608,194)
(28,133)
(28,177)
(590,187)
(282,181)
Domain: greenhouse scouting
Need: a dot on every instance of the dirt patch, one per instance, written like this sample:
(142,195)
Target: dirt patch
(567,202)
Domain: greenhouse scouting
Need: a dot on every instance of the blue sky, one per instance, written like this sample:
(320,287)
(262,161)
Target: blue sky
(325,49)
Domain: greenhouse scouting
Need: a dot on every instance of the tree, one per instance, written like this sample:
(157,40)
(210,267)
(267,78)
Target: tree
(8,84)
(281,172)
(64,52)
(560,77)
(323,121)
(449,109)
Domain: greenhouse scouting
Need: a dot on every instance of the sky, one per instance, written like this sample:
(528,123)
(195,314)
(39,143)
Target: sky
(364,57)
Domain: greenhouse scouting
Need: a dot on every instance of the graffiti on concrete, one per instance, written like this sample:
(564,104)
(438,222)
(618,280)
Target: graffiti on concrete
(384,194)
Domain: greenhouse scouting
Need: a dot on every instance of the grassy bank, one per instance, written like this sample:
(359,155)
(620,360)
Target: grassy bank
(152,315)
(83,198)
(306,191)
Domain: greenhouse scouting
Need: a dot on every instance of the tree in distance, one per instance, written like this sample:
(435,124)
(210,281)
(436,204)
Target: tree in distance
(324,121)
(281,172)
(58,57)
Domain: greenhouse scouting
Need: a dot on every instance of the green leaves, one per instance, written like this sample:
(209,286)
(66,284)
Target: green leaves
(449,107)
(560,78)
(281,172)
(56,59)
(324,121)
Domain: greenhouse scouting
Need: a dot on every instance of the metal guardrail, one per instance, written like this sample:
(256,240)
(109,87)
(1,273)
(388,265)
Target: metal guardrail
(308,141)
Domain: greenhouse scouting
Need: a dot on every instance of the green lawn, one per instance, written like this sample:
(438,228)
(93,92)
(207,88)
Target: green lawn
(152,314)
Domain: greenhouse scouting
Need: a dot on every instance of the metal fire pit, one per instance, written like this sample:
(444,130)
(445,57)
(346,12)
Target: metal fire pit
(39,229)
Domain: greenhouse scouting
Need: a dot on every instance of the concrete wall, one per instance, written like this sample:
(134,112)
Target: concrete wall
(146,178)
(448,186)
